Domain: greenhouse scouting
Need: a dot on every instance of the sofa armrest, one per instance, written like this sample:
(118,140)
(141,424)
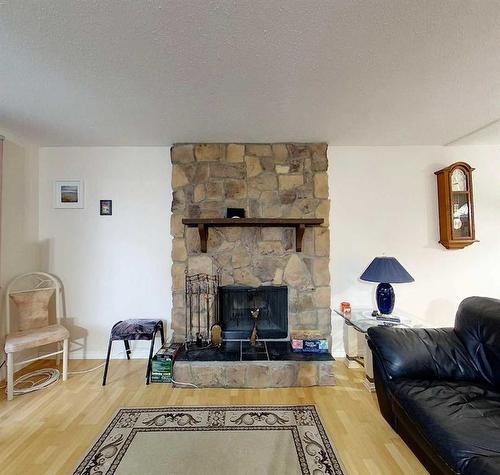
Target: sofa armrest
(421,353)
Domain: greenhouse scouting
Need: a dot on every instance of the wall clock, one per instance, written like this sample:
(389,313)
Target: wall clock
(456,206)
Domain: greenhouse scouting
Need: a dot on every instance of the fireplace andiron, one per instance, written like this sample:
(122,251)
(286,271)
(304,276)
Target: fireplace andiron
(254,312)
(202,310)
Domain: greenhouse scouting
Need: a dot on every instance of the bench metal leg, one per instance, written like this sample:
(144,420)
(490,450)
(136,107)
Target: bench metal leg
(151,348)
(127,348)
(162,336)
(107,363)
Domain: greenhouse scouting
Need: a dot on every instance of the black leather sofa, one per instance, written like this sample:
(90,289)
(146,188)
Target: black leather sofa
(439,388)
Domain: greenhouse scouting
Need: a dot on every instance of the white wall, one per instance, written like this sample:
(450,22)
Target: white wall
(113,267)
(19,251)
(384,200)
(19,243)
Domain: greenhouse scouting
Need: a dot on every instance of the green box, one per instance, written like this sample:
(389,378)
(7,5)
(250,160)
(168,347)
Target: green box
(162,364)
(161,378)
(161,370)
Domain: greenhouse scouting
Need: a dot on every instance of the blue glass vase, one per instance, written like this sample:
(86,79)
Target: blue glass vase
(385,298)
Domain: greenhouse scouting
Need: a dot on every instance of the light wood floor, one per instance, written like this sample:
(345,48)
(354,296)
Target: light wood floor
(47,432)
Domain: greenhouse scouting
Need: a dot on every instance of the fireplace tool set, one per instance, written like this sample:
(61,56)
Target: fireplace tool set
(203,328)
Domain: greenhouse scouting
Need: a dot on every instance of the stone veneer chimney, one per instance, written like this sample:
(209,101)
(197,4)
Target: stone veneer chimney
(283,180)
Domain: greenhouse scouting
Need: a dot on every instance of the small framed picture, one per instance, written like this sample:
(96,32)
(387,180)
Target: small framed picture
(106,207)
(68,194)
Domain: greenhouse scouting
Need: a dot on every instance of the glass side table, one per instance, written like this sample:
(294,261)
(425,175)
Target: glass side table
(356,324)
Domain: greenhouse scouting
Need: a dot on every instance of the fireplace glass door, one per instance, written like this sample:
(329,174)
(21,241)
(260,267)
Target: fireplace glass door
(237,303)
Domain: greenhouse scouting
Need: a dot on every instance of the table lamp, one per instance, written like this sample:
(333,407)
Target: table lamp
(386,270)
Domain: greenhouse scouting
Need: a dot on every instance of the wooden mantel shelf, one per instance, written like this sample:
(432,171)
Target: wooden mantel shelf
(298,223)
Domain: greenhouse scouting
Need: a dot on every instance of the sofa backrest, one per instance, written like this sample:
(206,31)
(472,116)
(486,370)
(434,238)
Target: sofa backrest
(422,353)
(477,324)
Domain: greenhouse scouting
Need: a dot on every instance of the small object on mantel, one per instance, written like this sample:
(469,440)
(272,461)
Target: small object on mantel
(299,224)
(235,213)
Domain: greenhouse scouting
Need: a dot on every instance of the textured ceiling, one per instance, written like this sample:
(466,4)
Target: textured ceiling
(375,72)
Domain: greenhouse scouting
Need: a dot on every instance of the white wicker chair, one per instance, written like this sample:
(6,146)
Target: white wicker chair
(31,293)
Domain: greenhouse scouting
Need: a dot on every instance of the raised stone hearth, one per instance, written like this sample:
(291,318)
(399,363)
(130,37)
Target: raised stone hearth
(284,180)
(262,374)
(238,364)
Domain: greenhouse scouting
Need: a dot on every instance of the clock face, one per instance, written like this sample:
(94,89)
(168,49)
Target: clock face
(458,180)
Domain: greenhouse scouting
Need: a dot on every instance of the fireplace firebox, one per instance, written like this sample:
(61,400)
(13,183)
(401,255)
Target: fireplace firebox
(237,302)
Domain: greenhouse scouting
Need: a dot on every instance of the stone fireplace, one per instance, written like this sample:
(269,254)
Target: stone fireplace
(284,180)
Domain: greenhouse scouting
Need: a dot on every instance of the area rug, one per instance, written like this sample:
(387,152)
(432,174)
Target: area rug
(213,440)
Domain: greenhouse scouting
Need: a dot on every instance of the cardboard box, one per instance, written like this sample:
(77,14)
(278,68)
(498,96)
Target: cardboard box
(167,352)
(162,364)
(310,346)
(161,377)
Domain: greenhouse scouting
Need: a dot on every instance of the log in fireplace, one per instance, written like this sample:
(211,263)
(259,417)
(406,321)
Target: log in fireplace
(237,302)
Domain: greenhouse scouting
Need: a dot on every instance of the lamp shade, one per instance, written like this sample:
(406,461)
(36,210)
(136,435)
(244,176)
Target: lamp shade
(386,270)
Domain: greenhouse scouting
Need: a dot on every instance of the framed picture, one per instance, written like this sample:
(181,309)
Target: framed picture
(68,194)
(106,207)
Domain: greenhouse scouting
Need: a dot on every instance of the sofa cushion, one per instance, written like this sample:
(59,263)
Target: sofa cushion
(460,419)
(484,465)
(477,324)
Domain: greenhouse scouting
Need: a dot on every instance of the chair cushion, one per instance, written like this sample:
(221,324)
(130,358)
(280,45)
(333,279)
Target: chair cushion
(459,418)
(19,341)
(134,329)
(33,308)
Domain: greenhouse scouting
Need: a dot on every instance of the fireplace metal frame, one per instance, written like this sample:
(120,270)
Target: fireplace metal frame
(244,334)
